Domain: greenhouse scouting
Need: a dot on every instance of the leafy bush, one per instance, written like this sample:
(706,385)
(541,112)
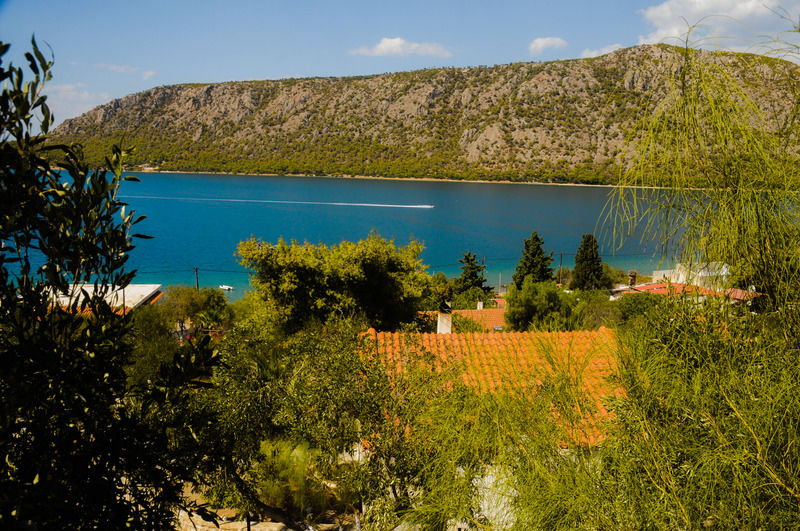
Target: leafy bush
(305,282)
(538,305)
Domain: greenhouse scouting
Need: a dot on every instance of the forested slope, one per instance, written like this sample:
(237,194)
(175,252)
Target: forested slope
(556,121)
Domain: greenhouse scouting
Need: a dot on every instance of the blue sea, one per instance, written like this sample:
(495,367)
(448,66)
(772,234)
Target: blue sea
(197,220)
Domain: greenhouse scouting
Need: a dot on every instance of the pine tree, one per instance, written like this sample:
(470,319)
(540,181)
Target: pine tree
(534,262)
(472,275)
(589,272)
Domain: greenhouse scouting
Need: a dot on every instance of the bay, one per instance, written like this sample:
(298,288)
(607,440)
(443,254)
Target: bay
(197,220)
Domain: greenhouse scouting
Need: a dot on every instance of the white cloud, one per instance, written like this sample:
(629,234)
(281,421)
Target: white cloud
(124,69)
(537,46)
(70,100)
(120,69)
(732,24)
(399,47)
(600,51)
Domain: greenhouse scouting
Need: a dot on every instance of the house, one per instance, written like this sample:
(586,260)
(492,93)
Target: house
(124,299)
(676,289)
(518,361)
(713,275)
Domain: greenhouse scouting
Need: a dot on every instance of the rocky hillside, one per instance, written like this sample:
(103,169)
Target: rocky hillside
(556,121)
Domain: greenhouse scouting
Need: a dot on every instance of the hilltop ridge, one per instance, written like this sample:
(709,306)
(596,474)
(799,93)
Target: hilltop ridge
(555,121)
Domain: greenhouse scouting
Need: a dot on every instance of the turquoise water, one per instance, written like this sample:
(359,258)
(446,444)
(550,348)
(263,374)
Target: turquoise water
(197,221)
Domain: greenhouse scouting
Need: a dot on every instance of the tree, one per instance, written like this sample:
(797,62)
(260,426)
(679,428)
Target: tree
(472,275)
(77,452)
(589,273)
(287,407)
(534,262)
(703,381)
(538,305)
(160,329)
(372,278)
(204,308)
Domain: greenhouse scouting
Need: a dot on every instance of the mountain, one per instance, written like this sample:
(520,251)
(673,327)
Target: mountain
(555,121)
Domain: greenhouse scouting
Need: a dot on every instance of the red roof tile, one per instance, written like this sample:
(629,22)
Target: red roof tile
(675,289)
(488,318)
(518,361)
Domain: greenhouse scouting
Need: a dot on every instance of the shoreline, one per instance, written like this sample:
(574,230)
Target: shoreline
(420,179)
(382,178)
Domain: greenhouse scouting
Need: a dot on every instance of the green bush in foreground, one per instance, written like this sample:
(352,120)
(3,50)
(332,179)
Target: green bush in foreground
(80,449)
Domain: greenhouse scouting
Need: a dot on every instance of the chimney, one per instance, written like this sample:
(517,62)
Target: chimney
(632,277)
(444,323)
(480,305)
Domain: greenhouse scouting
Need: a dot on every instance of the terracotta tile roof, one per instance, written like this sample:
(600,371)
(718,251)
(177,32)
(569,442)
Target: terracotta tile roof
(489,318)
(741,294)
(675,289)
(507,361)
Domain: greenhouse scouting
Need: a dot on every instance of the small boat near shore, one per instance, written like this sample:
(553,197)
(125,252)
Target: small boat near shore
(225,287)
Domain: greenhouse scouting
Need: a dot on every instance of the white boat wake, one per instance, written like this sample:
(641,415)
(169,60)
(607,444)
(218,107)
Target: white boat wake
(274,202)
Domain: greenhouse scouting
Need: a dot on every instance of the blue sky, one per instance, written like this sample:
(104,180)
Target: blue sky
(107,49)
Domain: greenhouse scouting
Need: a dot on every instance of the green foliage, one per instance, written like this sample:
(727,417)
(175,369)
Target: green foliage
(589,273)
(534,262)
(468,300)
(289,411)
(286,408)
(616,276)
(373,278)
(440,291)
(285,476)
(154,344)
(729,165)
(472,279)
(159,329)
(206,308)
(707,434)
(594,309)
(464,325)
(79,451)
(637,304)
(539,305)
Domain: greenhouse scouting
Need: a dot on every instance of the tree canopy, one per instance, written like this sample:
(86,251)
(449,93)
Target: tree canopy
(534,262)
(77,452)
(538,305)
(589,273)
(372,278)
(472,275)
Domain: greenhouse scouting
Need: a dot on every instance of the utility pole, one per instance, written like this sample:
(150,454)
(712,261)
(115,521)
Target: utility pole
(560,265)
(196,280)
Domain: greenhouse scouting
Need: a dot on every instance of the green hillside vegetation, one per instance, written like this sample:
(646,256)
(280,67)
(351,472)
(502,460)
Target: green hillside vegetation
(562,121)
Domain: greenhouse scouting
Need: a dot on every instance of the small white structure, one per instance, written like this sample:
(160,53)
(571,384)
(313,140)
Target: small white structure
(129,297)
(444,323)
(713,275)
